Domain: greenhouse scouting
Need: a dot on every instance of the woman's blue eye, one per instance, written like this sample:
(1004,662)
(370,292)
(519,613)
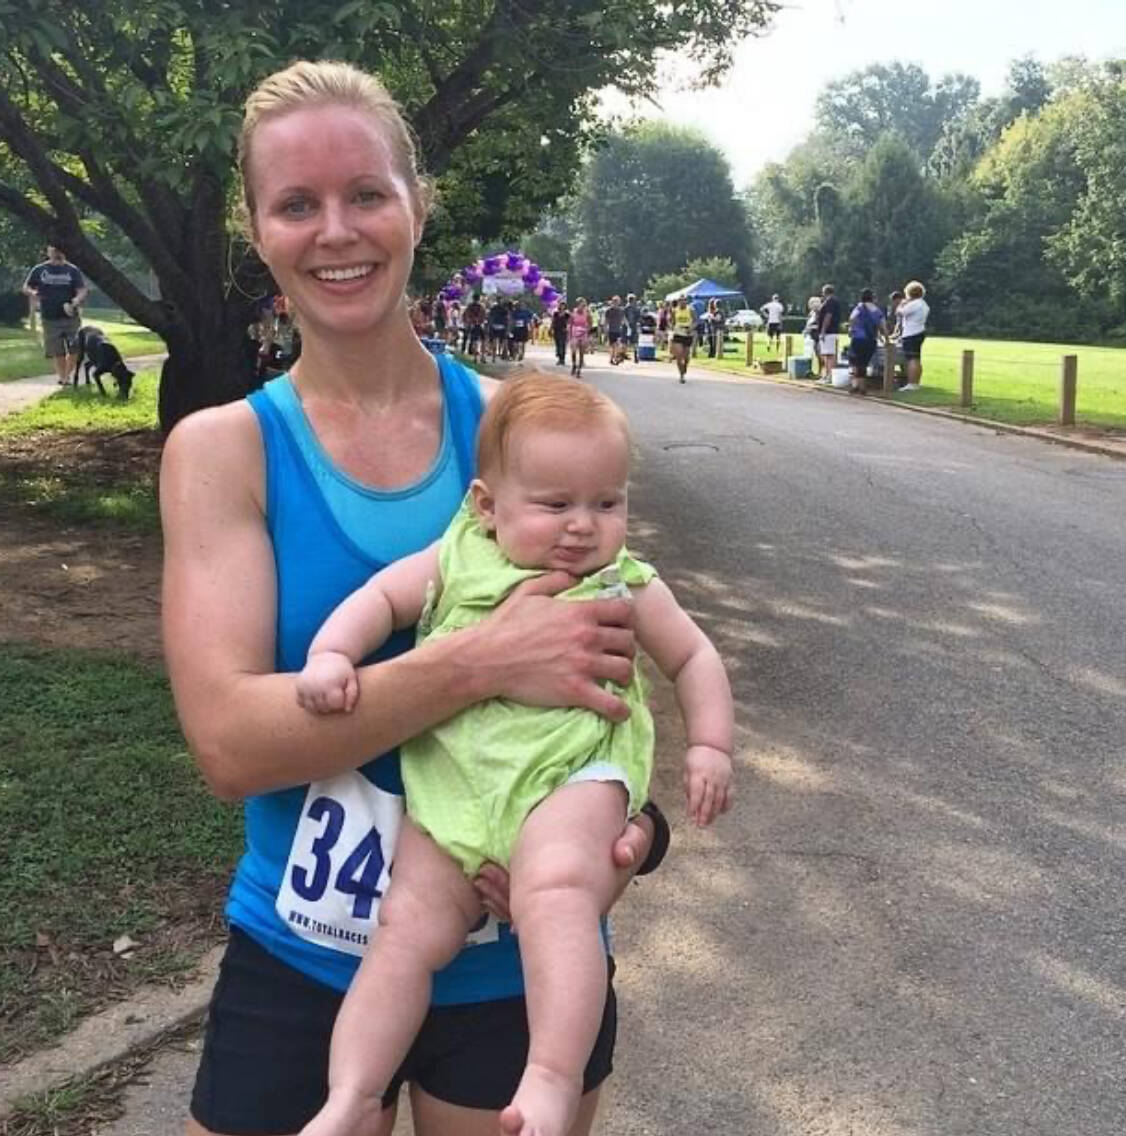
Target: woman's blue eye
(369,196)
(296,207)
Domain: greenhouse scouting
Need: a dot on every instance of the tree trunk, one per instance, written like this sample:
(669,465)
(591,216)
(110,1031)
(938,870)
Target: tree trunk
(207,365)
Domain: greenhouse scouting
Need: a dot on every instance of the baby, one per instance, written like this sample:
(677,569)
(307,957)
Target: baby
(544,792)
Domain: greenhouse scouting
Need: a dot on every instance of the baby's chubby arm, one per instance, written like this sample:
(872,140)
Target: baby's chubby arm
(390,600)
(687,657)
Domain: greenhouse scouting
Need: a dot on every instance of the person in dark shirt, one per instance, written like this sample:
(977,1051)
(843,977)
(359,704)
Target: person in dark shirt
(498,330)
(473,327)
(615,321)
(521,326)
(59,288)
(560,319)
(828,328)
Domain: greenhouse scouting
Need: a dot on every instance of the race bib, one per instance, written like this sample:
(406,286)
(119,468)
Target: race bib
(340,862)
(340,865)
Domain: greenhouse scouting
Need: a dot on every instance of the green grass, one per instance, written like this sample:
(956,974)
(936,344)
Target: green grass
(83,408)
(1014,382)
(65,487)
(109,831)
(71,502)
(21,351)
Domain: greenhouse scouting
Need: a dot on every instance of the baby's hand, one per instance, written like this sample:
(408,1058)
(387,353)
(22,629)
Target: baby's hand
(707,783)
(328,684)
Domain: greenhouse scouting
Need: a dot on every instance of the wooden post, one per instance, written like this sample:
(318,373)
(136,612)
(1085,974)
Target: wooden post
(889,367)
(967,378)
(789,350)
(750,345)
(32,311)
(1069,377)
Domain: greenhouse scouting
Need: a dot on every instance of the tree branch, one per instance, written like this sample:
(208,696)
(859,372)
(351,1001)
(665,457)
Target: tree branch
(106,275)
(433,121)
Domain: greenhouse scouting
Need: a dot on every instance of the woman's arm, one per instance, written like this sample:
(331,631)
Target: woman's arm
(241,719)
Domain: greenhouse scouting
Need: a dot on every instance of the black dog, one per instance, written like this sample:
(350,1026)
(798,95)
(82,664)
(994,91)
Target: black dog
(101,358)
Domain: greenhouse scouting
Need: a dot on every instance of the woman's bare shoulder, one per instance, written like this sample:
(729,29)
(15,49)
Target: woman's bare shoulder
(220,445)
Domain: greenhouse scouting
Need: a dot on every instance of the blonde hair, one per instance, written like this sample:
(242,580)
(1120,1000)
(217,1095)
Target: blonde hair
(544,402)
(915,290)
(330,83)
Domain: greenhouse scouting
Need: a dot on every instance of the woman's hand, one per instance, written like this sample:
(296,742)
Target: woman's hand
(629,853)
(535,650)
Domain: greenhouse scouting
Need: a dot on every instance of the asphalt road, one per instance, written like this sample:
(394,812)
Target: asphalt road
(913,922)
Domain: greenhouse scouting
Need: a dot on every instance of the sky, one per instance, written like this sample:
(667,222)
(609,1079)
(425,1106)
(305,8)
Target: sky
(766,104)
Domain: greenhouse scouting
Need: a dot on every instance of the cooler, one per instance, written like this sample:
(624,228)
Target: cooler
(646,347)
(799,367)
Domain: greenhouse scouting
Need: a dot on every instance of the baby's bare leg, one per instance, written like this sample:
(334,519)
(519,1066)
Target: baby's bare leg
(423,921)
(563,879)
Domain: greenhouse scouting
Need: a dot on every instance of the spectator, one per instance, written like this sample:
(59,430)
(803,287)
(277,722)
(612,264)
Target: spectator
(633,318)
(614,320)
(772,312)
(717,325)
(912,316)
(453,323)
(59,289)
(828,328)
(810,332)
(865,325)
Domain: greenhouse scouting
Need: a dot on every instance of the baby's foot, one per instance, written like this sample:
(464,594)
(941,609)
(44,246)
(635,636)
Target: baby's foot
(346,1115)
(545,1104)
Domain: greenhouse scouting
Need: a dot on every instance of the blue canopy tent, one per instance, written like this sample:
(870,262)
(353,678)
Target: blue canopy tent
(708,290)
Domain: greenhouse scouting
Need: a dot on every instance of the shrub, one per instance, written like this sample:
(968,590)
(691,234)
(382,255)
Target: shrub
(13,308)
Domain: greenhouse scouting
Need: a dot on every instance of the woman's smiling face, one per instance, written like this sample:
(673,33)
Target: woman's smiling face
(334,218)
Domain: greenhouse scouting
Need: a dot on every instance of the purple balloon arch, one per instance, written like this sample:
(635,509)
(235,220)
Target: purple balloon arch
(511,264)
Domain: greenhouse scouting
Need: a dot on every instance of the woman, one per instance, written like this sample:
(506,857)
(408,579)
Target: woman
(866,326)
(683,321)
(274,509)
(579,331)
(912,317)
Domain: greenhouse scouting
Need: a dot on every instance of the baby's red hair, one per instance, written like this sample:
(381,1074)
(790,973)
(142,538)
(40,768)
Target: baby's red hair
(547,403)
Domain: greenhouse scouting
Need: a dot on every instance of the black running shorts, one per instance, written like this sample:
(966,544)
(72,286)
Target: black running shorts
(264,1068)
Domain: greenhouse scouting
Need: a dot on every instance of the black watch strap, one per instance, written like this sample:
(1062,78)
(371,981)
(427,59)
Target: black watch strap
(661,837)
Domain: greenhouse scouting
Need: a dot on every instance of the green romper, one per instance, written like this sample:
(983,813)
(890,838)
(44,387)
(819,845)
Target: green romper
(471,781)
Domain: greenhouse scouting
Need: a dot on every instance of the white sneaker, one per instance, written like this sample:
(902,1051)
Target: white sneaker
(909,387)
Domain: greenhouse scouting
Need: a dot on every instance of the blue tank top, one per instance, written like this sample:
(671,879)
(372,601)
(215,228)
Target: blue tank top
(318,856)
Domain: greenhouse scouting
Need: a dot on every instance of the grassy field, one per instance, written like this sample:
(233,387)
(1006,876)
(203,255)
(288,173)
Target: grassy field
(21,351)
(1013,382)
(45,477)
(115,833)
(119,837)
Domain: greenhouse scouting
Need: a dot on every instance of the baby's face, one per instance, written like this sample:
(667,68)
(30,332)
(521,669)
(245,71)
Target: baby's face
(561,501)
